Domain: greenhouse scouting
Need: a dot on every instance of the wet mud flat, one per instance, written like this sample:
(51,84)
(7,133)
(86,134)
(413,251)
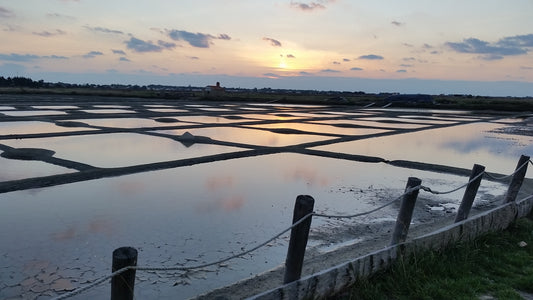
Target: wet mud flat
(199,181)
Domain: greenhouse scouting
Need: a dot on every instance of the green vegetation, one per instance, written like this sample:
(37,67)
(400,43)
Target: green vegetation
(494,265)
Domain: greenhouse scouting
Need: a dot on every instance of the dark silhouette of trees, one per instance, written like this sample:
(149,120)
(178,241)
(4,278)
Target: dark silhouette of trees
(20,82)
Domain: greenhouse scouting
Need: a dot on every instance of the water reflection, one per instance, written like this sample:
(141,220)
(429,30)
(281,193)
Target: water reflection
(460,146)
(118,149)
(31,127)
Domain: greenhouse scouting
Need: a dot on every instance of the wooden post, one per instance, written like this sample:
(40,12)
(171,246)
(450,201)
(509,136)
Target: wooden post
(122,285)
(470,193)
(298,241)
(518,178)
(406,212)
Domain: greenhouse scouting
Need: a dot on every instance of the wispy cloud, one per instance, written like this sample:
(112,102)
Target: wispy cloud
(138,45)
(198,40)
(60,16)
(50,34)
(27,57)
(6,13)
(356,69)
(290,56)
(119,52)
(93,54)
(507,46)
(273,42)
(310,6)
(371,57)
(329,71)
(271,75)
(401,71)
(103,30)
(397,23)
(124,59)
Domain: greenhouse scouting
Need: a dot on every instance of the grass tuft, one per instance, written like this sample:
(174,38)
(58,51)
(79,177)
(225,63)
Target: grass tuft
(491,265)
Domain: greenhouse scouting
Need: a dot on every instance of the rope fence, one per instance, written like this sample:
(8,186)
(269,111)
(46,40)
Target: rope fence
(296,223)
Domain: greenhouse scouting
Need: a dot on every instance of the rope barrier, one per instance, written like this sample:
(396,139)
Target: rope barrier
(410,190)
(510,175)
(205,265)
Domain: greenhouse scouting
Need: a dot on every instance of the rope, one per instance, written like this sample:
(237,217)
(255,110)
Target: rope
(142,268)
(205,265)
(408,191)
(90,286)
(510,175)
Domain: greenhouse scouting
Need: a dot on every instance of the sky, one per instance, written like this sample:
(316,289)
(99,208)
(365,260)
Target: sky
(480,47)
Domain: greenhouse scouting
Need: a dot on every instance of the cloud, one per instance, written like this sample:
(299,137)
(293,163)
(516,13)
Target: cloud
(507,46)
(224,37)
(124,59)
(371,57)
(401,71)
(309,7)
(346,60)
(104,30)
(356,69)
(517,41)
(193,57)
(526,68)
(119,52)
(271,75)
(303,73)
(93,54)
(290,56)
(396,23)
(60,16)
(336,63)
(406,65)
(6,13)
(50,34)
(198,40)
(329,71)
(166,45)
(273,42)
(27,57)
(138,45)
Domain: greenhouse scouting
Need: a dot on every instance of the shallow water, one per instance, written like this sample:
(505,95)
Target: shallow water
(60,237)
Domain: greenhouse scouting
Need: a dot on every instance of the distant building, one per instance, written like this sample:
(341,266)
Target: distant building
(214,90)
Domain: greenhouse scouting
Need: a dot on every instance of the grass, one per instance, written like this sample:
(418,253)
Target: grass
(492,265)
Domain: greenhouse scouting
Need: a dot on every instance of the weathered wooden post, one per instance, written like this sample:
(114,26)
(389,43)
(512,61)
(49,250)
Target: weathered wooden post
(299,235)
(518,178)
(470,193)
(406,211)
(122,285)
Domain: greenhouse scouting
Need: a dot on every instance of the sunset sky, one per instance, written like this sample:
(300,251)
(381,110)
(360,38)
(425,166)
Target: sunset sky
(468,46)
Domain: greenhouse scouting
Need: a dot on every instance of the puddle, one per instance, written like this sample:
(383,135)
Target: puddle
(32,127)
(168,110)
(21,169)
(313,127)
(119,149)
(250,136)
(190,215)
(121,122)
(461,146)
(108,111)
(55,107)
(31,113)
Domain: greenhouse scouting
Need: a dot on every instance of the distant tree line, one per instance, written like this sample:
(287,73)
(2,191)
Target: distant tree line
(20,82)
